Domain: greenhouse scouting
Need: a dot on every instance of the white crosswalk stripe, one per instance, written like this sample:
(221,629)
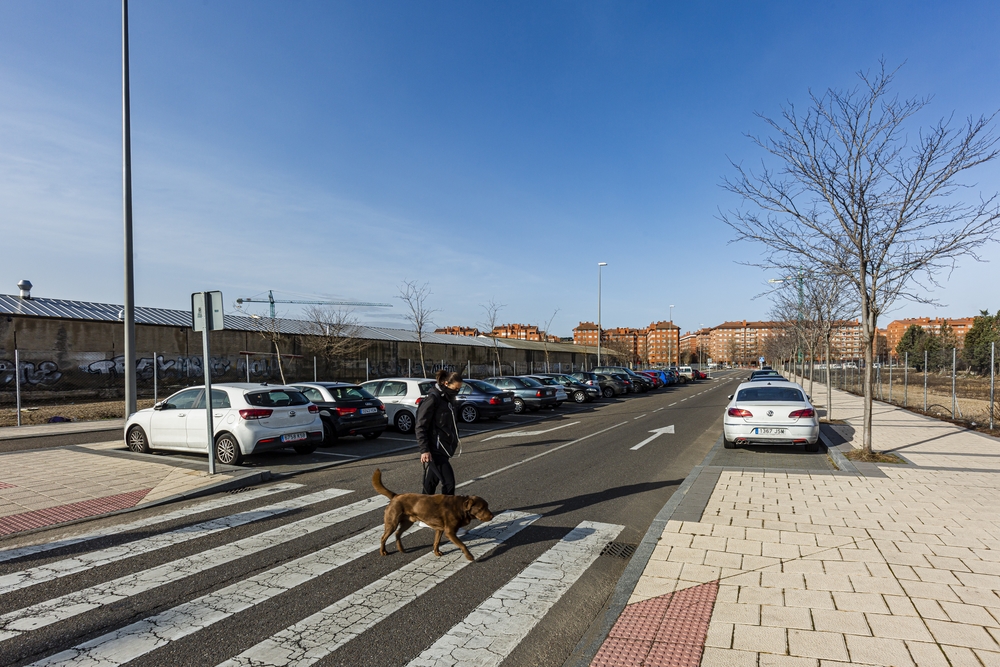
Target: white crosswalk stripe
(72,604)
(68,566)
(197,508)
(491,632)
(317,636)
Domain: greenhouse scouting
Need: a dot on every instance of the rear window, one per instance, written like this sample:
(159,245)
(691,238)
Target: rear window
(530,382)
(770,394)
(349,393)
(275,398)
(483,386)
(425,388)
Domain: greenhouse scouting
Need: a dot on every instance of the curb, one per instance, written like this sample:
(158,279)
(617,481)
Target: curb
(593,639)
(838,457)
(250,478)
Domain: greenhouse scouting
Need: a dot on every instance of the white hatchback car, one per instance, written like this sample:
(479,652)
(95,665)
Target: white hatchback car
(401,397)
(247,418)
(771,412)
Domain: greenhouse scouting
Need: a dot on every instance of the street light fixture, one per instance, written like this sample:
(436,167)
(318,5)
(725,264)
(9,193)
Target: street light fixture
(599,266)
(670,338)
(128,312)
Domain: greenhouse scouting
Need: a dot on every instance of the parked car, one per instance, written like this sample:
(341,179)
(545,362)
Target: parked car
(658,374)
(758,374)
(246,419)
(561,395)
(630,387)
(477,399)
(529,394)
(770,413)
(346,409)
(701,375)
(644,384)
(401,397)
(688,373)
(612,385)
(608,385)
(577,390)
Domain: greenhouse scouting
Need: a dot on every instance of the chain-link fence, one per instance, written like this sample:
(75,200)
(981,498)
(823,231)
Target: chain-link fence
(935,384)
(39,386)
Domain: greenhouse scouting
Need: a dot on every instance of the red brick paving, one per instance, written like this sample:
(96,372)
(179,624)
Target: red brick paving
(665,631)
(5,485)
(15,523)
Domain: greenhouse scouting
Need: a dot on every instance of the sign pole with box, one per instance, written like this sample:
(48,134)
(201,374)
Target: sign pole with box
(206,315)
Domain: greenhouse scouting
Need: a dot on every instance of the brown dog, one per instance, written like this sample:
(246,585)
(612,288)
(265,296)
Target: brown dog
(445,514)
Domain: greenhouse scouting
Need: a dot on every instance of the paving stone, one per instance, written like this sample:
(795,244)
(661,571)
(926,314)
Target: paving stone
(786,617)
(844,622)
(878,651)
(760,639)
(957,634)
(898,627)
(809,644)
(718,657)
(927,655)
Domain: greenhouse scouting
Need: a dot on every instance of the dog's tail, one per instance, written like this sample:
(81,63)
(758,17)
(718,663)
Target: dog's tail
(377,483)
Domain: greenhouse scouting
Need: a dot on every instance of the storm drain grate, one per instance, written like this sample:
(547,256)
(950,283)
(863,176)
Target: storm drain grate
(240,490)
(618,549)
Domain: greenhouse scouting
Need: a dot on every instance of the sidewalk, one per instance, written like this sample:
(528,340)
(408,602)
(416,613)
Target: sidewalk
(61,428)
(45,487)
(889,565)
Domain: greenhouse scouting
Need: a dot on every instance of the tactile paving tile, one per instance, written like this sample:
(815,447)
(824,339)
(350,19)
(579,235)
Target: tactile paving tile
(665,631)
(617,652)
(49,516)
(5,485)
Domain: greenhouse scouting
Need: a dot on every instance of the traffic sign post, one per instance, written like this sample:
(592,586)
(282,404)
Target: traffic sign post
(206,315)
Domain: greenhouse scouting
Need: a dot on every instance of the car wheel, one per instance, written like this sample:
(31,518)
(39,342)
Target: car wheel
(812,447)
(372,436)
(404,422)
(727,443)
(305,449)
(227,450)
(329,435)
(579,397)
(518,406)
(608,392)
(469,413)
(137,440)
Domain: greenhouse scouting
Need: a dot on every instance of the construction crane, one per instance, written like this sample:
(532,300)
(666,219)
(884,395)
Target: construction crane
(270,299)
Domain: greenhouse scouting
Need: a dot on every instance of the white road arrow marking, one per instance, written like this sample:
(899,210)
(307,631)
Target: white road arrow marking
(518,434)
(656,434)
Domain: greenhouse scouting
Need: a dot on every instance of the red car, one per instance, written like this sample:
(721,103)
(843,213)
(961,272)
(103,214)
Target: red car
(700,375)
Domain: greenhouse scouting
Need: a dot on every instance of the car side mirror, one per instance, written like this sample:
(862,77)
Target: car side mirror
(731,397)
(160,406)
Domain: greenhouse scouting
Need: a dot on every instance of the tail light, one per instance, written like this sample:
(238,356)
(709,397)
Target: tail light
(419,399)
(256,413)
(739,412)
(314,409)
(345,411)
(381,407)
(808,412)
(495,401)
(538,394)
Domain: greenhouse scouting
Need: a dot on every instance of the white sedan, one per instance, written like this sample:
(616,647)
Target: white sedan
(247,418)
(770,412)
(401,397)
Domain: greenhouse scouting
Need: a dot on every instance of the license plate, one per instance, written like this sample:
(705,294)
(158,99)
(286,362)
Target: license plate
(769,431)
(294,437)
(507,400)
(369,411)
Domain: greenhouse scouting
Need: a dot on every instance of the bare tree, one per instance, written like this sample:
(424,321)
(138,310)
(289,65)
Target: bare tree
(545,338)
(269,329)
(419,315)
(334,333)
(852,197)
(492,313)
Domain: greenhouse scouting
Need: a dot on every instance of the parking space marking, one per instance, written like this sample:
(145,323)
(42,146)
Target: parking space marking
(518,434)
(639,417)
(346,456)
(657,409)
(672,404)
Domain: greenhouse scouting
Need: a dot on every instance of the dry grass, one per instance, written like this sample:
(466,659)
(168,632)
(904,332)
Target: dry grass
(94,411)
(873,457)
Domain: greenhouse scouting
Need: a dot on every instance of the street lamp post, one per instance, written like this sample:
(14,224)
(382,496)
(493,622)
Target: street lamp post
(670,339)
(128,314)
(599,266)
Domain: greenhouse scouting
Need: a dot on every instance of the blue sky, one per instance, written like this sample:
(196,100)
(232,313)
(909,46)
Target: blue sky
(492,150)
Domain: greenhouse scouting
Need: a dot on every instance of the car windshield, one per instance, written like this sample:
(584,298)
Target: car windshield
(349,393)
(529,382)
(275,398)
(548,381)
(483,386)
(770,395)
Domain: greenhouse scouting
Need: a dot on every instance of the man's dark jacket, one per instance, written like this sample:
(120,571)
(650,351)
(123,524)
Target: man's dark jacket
(437,429)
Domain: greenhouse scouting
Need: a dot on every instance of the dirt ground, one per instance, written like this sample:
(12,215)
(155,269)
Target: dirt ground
(74,412)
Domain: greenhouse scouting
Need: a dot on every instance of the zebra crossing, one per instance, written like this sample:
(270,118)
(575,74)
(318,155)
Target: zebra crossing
(484,637)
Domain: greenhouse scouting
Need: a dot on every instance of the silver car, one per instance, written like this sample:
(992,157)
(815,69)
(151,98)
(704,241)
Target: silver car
(401,397)
(771,412)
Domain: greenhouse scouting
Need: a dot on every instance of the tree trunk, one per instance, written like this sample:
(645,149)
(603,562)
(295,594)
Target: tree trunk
(829,388)
(868,321)
(420,346)
(281,369)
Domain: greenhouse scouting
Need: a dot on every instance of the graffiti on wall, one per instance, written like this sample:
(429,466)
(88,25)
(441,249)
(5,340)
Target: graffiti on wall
(42,373)
(178,367)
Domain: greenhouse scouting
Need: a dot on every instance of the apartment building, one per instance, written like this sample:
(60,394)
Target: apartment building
(894,330)
(458,331)
(524,332)
(585,334)
(662,343)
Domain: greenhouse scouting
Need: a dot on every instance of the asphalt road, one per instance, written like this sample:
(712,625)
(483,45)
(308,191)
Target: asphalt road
(573,476)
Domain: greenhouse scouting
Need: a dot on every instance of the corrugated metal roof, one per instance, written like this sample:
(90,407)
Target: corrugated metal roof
(108,312)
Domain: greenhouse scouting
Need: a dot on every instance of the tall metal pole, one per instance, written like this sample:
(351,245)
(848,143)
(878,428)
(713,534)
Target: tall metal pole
(129,310)
(925,380)
(17,383)
(670,339)
(599,266)
(993,365)
(207,370)
(906,375)
(954,400)
(155,392)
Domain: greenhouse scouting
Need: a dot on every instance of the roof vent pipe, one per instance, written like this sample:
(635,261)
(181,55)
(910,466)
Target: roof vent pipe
(25,287)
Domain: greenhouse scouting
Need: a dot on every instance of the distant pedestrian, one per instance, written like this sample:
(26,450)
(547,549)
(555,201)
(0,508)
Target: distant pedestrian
(437,433)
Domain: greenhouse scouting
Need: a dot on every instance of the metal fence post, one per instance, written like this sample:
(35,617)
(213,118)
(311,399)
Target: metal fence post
(409,368)
(993,352)
(468,368)
(367,371)
(890,379)
(925,380)
(248,367)
(314,370)
(954,399)
(155,364)
(17,383)
(906,375)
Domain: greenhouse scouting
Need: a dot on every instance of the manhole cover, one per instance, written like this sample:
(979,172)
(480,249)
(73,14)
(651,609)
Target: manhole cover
(618,549)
